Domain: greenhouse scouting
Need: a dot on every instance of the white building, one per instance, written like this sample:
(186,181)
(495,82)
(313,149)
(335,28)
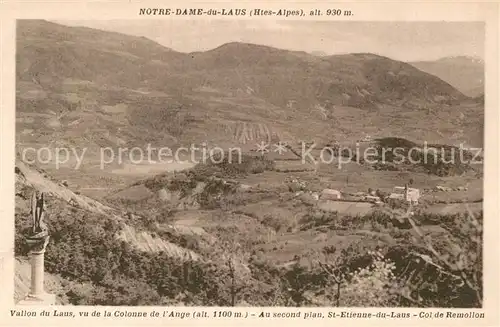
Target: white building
(329,194)
(408,194)
(372,198)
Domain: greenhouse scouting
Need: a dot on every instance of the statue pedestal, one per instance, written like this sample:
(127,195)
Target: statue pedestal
(37,294)
(40,299)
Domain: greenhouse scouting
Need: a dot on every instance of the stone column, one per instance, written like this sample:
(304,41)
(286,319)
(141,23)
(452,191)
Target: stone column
(37,272)
(37,238)
(37,294)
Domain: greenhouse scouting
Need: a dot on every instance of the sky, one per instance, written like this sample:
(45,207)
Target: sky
(405,41)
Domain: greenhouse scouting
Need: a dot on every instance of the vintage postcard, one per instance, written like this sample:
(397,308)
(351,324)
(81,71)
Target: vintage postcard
(215,163)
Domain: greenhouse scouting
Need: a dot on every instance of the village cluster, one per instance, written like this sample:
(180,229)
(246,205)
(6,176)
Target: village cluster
(404,193)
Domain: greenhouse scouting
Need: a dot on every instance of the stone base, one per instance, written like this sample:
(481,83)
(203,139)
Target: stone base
(42,299)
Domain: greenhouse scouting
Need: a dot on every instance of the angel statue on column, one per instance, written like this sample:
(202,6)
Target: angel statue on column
(38,212)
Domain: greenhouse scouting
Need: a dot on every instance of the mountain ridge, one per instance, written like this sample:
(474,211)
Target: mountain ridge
(466,73)
(138,92)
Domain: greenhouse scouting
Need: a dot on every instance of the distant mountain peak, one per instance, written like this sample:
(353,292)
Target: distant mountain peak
(170,97)
(473,59)
(466,73)
(238,44)
(319,53)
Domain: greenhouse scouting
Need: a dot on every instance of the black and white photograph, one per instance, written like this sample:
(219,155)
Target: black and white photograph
(249,163)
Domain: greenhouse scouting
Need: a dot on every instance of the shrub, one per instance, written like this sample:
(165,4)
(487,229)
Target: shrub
(246,164)
(370,286)
(277,223)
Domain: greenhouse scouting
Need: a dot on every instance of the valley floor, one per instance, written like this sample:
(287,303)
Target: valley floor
(265,220)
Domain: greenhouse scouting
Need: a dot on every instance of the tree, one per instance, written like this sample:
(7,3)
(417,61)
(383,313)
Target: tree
(371,286)
(234,270)
(457,275)
(330,261)
(365,280)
